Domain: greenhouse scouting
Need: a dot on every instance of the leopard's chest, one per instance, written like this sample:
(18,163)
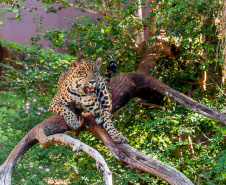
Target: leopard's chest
(86,103)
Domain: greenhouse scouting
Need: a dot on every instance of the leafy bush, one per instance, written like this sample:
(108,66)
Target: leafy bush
(163,134)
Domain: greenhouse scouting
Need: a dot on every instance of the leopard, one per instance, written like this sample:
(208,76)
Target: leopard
(82,86)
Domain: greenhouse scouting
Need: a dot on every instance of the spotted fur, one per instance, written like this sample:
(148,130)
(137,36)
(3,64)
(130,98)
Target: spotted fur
(82,85)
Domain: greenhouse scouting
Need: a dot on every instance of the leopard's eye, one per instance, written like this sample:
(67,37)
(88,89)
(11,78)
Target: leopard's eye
(84,74)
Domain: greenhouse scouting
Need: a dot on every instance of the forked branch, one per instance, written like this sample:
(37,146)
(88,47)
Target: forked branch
(78,146)
(122,152)
(51,125)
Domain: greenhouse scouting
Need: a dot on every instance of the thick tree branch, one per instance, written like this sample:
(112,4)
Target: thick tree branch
(132,85)
(138,161)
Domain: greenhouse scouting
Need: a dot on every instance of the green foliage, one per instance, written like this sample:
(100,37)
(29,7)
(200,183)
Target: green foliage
(191,25)
(163,134)
(99,38)
(155,132)
(24,105)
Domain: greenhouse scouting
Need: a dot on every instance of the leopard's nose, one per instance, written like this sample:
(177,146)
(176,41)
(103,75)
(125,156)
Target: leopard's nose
(92,82)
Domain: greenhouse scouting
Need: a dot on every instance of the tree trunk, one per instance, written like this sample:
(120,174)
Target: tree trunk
(138,13)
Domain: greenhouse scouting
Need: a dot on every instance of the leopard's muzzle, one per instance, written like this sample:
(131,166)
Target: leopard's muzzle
(90,90)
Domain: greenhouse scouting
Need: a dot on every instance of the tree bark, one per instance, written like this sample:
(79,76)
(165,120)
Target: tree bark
(140,36)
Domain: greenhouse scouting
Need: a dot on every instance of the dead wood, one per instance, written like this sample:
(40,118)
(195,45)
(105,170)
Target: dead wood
(124,153)
(79,147)
(124,87)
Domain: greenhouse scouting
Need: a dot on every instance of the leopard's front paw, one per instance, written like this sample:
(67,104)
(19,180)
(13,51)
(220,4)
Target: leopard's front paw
(119,138)
(73,126)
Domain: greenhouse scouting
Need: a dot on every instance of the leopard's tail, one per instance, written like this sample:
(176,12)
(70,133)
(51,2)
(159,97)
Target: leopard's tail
(111,68)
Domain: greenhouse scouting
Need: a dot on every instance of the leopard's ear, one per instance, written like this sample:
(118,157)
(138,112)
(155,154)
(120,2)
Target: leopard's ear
(99,61)
(75,63)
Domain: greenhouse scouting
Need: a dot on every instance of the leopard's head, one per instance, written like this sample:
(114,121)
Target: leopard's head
(86,75)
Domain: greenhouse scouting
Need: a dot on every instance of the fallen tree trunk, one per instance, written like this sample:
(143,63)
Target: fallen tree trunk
(124,87)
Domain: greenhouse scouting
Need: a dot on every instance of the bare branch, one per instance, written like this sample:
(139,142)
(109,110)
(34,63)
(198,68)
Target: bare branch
(87,10)
(188,102)
(79,146)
